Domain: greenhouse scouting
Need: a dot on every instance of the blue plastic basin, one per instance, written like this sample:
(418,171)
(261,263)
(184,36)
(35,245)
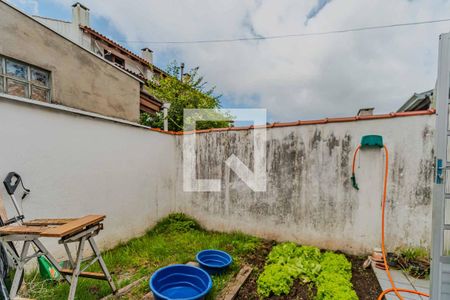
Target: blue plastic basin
(180,282)
(214,261)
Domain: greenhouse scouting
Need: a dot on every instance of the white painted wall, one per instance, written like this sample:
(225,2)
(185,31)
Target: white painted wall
(77,165)
(309,196)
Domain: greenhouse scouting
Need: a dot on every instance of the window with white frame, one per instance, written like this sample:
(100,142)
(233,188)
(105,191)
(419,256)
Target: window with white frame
(23,80)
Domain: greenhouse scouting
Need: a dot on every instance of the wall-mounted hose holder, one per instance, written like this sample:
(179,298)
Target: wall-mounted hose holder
(367,141)
(372,141)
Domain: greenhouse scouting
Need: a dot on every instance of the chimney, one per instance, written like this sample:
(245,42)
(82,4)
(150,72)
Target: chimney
(147,54)
(166,107)
(366,111)
(80,15)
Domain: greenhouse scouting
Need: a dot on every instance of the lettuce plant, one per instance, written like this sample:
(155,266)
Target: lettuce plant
(287,262)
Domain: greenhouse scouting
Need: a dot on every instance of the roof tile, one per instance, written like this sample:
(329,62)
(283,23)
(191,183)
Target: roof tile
(122,48)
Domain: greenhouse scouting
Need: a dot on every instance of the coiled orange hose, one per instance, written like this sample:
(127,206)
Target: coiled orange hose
(383,248)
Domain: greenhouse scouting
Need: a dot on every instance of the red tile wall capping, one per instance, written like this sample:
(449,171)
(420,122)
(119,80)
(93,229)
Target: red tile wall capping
(307,122)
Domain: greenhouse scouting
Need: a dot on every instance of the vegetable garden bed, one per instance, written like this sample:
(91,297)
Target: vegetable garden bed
(363,281)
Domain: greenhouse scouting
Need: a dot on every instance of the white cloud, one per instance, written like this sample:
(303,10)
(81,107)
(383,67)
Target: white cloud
(299,78)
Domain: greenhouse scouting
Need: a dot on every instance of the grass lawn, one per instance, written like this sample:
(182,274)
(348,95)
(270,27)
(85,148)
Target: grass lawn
(175,239)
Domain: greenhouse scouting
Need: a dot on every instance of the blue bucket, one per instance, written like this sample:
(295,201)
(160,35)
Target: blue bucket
(214,261)
(180,282)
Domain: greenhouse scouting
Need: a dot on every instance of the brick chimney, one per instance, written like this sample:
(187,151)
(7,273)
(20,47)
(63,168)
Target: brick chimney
(80,14)
(147,54)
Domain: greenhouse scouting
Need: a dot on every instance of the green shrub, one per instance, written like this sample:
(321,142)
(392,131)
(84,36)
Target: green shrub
(177,222)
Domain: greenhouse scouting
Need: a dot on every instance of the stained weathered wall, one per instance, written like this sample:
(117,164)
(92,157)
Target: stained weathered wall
(309,197)
(79,78)
(77,165)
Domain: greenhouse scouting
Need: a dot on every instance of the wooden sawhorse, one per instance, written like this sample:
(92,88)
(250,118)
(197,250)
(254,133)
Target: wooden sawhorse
(68,231)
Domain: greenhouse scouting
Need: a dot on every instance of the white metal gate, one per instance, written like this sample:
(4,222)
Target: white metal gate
(440,271)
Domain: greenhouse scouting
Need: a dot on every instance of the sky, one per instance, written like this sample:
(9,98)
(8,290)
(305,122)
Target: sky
(295,78)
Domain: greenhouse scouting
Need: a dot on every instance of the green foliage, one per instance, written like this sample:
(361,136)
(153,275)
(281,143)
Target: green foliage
(415,261)
(336,264)
(414,253)
(177,222)
(287,262)
(334,281)
(275,279)
(336,288)
(301,262)
(282,253)
(190,93)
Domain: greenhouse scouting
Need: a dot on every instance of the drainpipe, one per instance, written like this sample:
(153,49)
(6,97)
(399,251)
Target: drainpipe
(165,108)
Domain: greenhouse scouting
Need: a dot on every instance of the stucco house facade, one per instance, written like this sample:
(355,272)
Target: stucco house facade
(79,31)
(40,62)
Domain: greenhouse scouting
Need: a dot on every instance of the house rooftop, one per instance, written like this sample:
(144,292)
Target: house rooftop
(418,101)
(112,43)
(51,19)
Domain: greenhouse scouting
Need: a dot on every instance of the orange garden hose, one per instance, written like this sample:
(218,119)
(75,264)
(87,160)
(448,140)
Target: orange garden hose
(383,248)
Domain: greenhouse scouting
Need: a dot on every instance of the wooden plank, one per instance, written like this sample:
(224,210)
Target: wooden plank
(47,222)
(7,230)
(232,288)
(73,226)
(92,275)
(125,290)
(148,296)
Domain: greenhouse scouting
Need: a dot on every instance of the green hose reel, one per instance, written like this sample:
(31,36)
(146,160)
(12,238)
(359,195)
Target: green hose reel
(368,141)
(372,141)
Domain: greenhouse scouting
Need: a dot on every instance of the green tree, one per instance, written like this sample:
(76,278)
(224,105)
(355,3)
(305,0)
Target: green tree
(191,93)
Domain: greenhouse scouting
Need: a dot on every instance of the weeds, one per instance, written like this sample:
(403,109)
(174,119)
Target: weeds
(415,261)
(414,253)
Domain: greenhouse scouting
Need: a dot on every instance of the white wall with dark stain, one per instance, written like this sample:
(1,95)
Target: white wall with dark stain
(309,197)
(78,163)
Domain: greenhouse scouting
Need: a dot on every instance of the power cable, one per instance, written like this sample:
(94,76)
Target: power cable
(294,35)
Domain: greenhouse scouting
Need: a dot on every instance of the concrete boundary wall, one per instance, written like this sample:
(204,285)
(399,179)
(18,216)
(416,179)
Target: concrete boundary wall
(309,197)
(79,163)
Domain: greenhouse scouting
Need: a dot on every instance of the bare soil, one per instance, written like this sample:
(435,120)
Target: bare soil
(364,281)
